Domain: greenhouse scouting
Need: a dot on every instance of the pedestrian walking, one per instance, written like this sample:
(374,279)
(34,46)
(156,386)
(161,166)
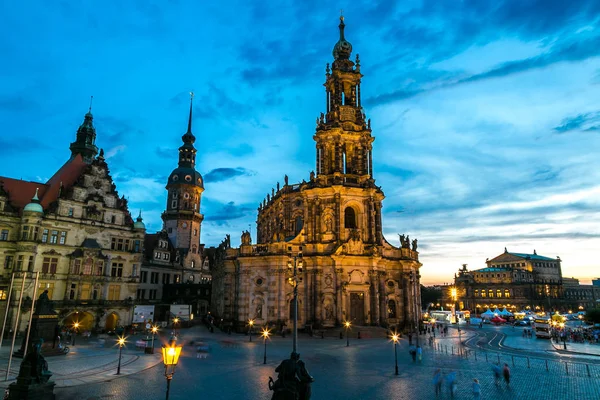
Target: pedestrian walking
(437,382)
(413,352)
(476,390)
(506,373)
(497,374)
(419,353)
(451,383)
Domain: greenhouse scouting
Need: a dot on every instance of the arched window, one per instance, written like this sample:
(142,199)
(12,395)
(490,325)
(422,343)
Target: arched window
(506,293)
(299,223)
(350,218)
(391,309)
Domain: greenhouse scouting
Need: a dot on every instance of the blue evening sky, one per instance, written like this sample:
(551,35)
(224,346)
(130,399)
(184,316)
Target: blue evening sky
(486,113)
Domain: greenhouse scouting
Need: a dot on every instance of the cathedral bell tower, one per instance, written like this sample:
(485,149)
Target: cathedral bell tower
(343,134)
(182,218)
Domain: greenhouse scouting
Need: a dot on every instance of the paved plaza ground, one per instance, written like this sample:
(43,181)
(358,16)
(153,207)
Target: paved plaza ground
(234,369)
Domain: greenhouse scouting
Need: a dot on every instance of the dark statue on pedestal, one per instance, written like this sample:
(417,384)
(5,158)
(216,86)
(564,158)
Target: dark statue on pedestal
(33,379)
(44,325)
(293,381)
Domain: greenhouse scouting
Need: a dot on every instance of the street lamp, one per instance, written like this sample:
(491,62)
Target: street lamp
(580,321)
(395,339)
(170,357)
(453,295)
(250,324)
(121,343)
(154,330)
(564,334)
(347,326)
(265,334)
(175,322)
(295,264)
(75,327)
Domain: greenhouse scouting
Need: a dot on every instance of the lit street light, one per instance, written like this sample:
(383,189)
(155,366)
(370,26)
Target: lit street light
(395,339)
(154,330)
(121,343)
(75,327)
(175,322)
(250,324)
(265,334)
(347,326)
(580,320)
(170,357)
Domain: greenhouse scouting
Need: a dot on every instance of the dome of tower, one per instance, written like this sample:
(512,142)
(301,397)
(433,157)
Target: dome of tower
(139,224)
(343,48)
(186,175)
(35,205)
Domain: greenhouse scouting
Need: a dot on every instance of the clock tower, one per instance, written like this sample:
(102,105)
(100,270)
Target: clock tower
(182,218)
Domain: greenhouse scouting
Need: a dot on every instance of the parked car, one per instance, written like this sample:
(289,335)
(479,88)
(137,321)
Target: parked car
(522,322)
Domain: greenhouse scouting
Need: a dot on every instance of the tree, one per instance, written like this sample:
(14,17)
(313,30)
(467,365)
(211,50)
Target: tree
(592,316)
(430,295)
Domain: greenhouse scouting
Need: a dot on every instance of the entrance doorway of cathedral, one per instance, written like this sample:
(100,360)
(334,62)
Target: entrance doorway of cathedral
(357,308)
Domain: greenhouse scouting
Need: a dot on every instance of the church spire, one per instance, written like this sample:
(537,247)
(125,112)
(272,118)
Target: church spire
(190,119)
(85,142)
(344,141)
(187,152)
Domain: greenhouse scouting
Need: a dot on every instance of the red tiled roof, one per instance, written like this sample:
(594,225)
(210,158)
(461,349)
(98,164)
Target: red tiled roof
(67,174)
(20,192)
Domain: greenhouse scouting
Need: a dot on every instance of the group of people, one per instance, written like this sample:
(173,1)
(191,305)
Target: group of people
(450,381)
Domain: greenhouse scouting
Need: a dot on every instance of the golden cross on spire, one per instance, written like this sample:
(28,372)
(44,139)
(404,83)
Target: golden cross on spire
(342,14)
(191,95)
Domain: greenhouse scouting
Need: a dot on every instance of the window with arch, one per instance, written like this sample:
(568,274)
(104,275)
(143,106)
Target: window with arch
(350,218)
(391,309)
(506,293)
(298,224)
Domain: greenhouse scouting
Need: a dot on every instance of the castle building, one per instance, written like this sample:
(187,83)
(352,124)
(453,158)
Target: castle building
(78,234)
(351,273)
(176,266)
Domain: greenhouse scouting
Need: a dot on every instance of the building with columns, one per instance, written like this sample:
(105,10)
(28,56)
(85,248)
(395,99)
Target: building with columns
(78,233)
(350,272)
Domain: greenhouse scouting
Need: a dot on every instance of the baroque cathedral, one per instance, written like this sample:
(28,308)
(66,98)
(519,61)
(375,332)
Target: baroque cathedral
(350,271)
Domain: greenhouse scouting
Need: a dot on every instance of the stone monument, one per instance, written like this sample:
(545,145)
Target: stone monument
(44,325)
(33,380)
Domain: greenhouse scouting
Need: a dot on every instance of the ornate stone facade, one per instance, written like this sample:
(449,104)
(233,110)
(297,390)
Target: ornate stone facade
(78,233)
(350,271)
(512,280)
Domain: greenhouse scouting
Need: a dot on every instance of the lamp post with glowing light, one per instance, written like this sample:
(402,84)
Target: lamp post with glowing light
(265,334)
(395,339)
(175,322)
(121,343)
(295,264)
(564,334)
(75,327)
(580,321)
(347,326)
(154,330)
(250,325)
(170,357)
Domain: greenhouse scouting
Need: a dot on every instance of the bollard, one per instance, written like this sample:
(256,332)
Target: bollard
(546,365)
(513,360)
(587,366)
(567,368)
(486,360)
(528,363)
